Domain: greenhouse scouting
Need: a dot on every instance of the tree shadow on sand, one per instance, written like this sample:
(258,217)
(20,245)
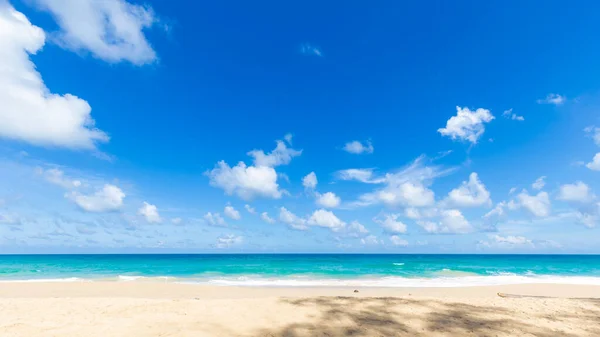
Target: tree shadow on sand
(350,316)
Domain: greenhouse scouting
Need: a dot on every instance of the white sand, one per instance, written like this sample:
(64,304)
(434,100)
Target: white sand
(168,309)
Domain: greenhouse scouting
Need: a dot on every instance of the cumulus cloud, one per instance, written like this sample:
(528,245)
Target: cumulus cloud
(266,218)
(390,223)
(292,219)
(538,205)
(111,30)
(226,241)
(232,213)
(150,212)
(539,183)
(247,182)
(250,209)
(323,218)
(356,147)
(398,241)
(259,179)
(109,198)
(310,181)
(451,221)
(555,99)
(513,116)
(470,194)
(30,112)
(578,192)
(281,155)
(328,200)
(467,125)
(595,163)
(214,219)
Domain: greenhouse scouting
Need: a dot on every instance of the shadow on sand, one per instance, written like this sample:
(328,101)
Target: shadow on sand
(350,316)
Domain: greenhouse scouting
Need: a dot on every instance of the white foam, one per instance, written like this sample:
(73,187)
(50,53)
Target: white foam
(128,278)
(42,280)
(400,282)
(398,264)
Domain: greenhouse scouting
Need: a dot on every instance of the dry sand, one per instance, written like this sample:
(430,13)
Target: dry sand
(168,309)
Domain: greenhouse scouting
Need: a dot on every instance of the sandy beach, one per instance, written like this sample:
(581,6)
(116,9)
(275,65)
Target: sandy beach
(169,309)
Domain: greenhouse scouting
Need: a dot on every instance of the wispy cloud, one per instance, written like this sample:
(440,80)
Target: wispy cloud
(308,49)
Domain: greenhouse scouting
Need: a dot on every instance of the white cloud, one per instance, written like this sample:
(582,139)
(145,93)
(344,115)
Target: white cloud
(589,216)
(109,198)
(578,192)
(232,212)
(30,112)
(512,240)
(323,218)
(406,187)
(467,125)
(470,194)
(513,116)
(260,179)
(451,221)
(595,163)
(398,241)
(150,212)
(355,229)
(250,209)
(538,205)
(362,175)
(512,190)
(593,132)
(112,30)
(310,181)
(176,221)
(370,240)
(57,177)
(214,219)
(555,99)
(228,240)
(246,182)
(292,219)
(328,200)
(266,218)
(496,214)
(357,147)
(308,49)
(411,194)
(281,155)
(288,138)
(390,223)
(539,183)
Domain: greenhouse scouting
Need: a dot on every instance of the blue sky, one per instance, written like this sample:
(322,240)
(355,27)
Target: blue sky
(427,127)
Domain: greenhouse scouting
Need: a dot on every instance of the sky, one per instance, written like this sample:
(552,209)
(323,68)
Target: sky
(299,127)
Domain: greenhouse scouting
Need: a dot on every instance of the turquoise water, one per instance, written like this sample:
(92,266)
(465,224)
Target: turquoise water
(307,270)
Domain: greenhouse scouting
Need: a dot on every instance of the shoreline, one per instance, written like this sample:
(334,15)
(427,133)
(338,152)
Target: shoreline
(154,289)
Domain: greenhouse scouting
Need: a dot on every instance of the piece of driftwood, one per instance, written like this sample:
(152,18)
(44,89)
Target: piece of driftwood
(504,295)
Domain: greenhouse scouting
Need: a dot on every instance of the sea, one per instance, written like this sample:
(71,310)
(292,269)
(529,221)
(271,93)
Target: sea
(306,270)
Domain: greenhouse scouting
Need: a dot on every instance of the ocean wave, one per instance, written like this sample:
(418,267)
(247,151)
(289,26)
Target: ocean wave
(43,280)
(398,264)
(398,282)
